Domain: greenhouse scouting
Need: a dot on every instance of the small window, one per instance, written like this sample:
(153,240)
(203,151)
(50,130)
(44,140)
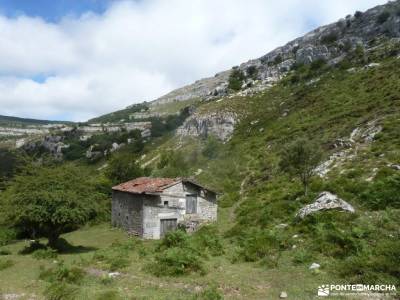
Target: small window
(191,204)
(165,203)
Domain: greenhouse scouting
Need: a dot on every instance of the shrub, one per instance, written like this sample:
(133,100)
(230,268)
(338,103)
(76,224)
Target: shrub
(207,239)
(258,244)
(211,148)
(177,238)
(108,295)
(4,264)
(302,256)
(5,252)
(62,273)
(6,235)
(358,14)
(383,193)
(236,79)
(252,72)
(210,293)
(278,59)
(61,291)
(379,266)
(44,254)
(123,167)
(329,38)
(383,16)
(177,261)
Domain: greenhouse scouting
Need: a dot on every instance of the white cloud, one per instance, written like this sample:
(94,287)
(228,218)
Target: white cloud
(138,51)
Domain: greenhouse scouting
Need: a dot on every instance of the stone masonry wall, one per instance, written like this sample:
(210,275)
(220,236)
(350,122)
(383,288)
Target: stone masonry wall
(127,212)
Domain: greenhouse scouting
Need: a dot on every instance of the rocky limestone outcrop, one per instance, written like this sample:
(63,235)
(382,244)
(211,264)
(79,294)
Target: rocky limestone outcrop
(218,124)
(325,201)
(359,138)
(330,43)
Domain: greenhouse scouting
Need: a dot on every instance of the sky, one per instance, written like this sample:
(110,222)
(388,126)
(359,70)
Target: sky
(77,59)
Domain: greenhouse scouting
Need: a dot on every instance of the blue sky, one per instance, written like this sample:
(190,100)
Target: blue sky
(76,59)
(51,10)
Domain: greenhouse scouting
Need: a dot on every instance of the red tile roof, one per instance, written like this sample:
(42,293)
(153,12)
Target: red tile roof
(143,185)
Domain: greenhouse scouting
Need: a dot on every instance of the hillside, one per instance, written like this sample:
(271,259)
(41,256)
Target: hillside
(15,121)
(328,102)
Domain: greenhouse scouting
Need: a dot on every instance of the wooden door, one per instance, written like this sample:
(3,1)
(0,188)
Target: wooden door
(167,225)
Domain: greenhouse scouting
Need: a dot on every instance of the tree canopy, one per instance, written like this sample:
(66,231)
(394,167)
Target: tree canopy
(300,158)
(50,201)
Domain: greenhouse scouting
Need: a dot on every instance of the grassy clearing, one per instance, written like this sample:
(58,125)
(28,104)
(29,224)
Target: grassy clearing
(233,281)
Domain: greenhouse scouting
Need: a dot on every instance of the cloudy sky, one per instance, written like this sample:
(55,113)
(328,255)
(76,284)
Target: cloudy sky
(75,59)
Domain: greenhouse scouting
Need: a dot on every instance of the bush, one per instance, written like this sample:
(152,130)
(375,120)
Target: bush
(383,193)
(329,38)
(5,252)
(62,273)
(210,293)
(302,256)
(208,240)
(4,264)
(117,256)
(6,235)
(379,266)
(177,261)
(257,244)
(108,295)
(358,14)
(44,254)
(177,238)
(236,79)
(383,16)
(61,291)
(252,72)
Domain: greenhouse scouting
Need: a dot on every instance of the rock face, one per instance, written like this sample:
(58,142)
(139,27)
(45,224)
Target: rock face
(330,43)
(325,201)
(360,137)
(219,125)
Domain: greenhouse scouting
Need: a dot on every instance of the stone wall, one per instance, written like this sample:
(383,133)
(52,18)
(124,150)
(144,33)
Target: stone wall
(127,212)
(142,214)
(172,205)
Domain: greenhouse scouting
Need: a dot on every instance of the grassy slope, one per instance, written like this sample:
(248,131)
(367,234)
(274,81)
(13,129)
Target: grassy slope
(236,281)
(258,195)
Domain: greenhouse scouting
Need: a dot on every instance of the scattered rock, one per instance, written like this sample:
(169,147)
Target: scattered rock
(281,226)
(372,65)
(395,167)
(114,274)
(325,201)
(314,266)
(283,295)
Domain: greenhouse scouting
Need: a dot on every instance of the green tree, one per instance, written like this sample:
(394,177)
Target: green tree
(300,158)
(50,201)
(235,80)
(123,167)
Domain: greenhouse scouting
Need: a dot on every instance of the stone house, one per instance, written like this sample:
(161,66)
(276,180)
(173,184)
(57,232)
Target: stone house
(150,207)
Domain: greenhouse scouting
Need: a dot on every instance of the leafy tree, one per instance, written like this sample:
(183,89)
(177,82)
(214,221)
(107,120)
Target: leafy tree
(123,167)
(50,201)
(236,79)
(300,158)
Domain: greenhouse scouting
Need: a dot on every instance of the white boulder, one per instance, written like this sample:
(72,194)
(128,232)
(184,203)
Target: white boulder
(325,201)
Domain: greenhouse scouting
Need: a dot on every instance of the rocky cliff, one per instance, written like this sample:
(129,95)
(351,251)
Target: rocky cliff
(330,43)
